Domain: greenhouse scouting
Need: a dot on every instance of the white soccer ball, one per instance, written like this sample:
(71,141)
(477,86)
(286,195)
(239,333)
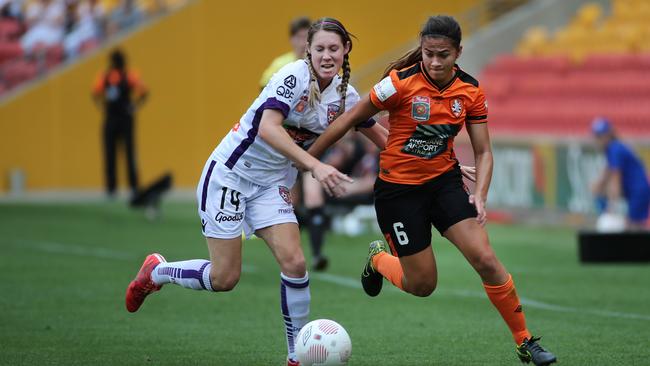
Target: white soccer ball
(610,223)
(323,342)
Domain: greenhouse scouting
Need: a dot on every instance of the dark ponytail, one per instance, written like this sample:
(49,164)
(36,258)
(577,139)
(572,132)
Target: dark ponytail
(436,26)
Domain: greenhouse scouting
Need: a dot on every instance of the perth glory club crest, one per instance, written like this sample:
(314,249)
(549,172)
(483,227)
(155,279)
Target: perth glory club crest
(285,194)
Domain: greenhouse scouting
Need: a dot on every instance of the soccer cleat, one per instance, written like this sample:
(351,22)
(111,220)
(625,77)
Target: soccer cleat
(142,285)
(371,280)
(529,350)
(292,362)
(320,263)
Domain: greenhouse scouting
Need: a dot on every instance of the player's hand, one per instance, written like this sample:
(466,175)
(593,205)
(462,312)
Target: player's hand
(479,203)
(468,172)
(330,178)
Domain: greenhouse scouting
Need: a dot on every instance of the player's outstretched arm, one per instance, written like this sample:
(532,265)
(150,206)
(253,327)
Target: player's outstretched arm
(361,112)
(272,132)
(378,134)
(480,138)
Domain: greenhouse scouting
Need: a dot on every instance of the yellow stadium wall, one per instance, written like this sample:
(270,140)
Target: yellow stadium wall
(202,65)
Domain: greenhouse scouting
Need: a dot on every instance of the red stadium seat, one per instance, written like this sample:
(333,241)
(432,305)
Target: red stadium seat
(551,97)
(10,51)
(19,71)
(10,30)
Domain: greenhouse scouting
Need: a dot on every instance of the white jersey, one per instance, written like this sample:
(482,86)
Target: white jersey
(244,152)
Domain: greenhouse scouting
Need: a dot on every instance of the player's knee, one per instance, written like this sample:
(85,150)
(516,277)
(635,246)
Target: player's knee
(294,266)
(486,264)
(224,283)
(424,288)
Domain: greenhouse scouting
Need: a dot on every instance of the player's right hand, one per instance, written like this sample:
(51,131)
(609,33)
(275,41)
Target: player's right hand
(330,178)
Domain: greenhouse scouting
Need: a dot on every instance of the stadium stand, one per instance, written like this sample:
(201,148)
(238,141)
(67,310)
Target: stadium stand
(555,85)
(38,35)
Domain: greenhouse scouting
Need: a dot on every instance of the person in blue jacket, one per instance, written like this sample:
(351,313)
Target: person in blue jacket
(623,178)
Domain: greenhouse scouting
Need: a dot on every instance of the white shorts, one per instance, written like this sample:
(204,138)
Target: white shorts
(229,204)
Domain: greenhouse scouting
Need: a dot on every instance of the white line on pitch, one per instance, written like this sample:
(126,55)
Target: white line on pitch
(355,283)
(88,251)
(104,253)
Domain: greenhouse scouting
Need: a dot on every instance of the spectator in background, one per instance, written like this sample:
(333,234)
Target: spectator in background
(12,9)
(298,29)
(45,21)
(623,178)
(119,92)
(355,156)
(86,28)
(125,16)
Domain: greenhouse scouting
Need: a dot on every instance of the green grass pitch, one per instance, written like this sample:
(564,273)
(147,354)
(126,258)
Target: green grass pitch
(64,270)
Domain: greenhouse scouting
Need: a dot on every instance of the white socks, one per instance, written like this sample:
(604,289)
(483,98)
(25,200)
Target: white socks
(295,299)
(194,274)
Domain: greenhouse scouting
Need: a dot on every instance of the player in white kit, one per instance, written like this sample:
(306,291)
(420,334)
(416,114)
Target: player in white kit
(246,182)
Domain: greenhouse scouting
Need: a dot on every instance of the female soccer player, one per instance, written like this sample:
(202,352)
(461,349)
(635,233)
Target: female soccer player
(429,99)
(246,181)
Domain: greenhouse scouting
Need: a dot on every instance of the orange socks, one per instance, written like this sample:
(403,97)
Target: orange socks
(505,299)
(389,267)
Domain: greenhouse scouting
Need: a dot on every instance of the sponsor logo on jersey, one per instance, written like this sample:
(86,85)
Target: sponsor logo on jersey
(456,107)
(384,89)
(284,92)
(420,107)
(290,81)
(300,107)
(429,141)
(222,217)
(301,136)
(285,194)
(332,111)
(285,210)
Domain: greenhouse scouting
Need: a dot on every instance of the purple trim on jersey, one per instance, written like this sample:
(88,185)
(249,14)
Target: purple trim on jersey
(270,103)
(295,285)
(206,181)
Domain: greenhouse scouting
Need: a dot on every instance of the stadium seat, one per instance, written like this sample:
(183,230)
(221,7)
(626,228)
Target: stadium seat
(10,51)
(19,71)
(10,30)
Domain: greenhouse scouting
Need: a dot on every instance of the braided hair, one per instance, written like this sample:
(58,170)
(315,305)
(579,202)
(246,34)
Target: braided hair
(330,25)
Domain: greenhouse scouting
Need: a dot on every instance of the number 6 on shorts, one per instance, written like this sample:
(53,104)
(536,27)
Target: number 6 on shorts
(402,239)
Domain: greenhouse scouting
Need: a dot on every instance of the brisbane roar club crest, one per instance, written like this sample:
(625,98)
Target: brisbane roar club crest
(285,193)
(420,108)
(456,107)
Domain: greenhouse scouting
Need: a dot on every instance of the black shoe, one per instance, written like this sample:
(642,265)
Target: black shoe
(320,263)
(372,280)
(529,350)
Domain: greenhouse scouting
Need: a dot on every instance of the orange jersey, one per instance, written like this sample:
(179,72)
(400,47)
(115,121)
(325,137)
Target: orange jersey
(114,77)
(423,121)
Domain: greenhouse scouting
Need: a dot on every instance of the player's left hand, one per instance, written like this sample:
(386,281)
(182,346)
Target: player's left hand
(479,203)
(468,172)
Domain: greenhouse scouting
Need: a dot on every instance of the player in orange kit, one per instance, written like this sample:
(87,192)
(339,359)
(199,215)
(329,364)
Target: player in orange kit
(429,99)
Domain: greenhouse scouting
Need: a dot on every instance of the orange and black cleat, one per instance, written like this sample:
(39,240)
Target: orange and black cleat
(371,280)
(530,351)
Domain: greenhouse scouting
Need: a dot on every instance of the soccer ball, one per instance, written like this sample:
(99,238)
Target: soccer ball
(610,223)
(323,342)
